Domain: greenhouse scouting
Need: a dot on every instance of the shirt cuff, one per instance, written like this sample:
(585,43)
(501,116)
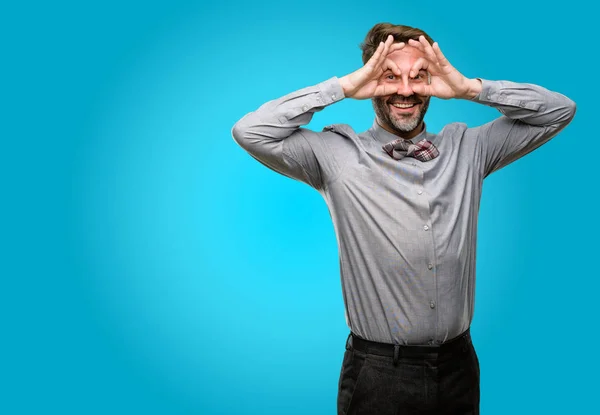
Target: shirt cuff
(487,88)
(506,94)
(331,91)
(313,98)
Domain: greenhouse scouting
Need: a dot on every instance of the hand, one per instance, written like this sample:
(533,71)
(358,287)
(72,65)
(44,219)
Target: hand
(446,81)
(365,82)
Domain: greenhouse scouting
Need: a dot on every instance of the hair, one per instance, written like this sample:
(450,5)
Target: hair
(381,31)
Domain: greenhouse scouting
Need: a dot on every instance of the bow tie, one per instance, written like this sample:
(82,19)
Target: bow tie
(423,150)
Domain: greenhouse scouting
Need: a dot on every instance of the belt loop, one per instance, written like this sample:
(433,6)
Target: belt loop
(465,339)
(396,353)
(348,340)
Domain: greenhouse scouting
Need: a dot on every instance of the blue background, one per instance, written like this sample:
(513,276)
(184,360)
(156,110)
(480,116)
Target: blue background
(150,265)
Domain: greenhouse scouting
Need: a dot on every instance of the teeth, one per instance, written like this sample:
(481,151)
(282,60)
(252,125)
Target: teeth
(403,105)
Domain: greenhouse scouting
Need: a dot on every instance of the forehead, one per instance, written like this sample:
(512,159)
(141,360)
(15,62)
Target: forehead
(406,56)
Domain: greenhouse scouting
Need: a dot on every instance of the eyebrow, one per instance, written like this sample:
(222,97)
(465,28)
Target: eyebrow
(387,71)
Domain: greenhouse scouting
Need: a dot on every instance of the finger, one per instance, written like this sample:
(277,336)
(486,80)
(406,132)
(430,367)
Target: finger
(392,66)
(396,46)
(386,47)
(422,89)
(419,64)
(385,89)
(424,47)
(440,56)
(427,48)
(415,43)
(375,57)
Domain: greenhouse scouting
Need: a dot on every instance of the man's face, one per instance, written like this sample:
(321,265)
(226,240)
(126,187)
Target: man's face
(402,120)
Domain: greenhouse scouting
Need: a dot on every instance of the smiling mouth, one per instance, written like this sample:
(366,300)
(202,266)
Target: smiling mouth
(403,107)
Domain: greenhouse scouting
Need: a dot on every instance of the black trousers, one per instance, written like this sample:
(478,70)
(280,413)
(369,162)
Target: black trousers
(386,379)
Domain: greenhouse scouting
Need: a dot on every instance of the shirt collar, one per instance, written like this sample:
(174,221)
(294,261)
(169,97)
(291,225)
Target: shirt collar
(383,136)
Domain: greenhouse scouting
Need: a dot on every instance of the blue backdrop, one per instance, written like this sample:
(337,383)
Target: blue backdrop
(150,265)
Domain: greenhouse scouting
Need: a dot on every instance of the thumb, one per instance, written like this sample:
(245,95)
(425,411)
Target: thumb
(422,89)
(384,89)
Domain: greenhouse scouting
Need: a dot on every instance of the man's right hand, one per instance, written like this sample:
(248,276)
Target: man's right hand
(365,83)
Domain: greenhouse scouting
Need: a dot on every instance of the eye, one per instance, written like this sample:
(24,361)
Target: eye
(419,77)
(390,76)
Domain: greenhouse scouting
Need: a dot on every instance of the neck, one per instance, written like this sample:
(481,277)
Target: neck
(406,135)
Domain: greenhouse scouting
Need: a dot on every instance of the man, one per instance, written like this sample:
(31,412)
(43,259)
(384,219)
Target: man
(404,203)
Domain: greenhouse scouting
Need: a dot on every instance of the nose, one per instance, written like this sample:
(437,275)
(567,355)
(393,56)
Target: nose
(404,87)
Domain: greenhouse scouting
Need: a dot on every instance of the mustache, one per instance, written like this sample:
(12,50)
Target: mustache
(404,100)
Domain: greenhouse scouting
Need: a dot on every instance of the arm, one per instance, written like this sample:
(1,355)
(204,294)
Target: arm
(273,135)
(532,115)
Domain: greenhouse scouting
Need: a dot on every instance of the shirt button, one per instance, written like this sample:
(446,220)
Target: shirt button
(305,107)
(419,191)
(432,304)
(426,227)
(430,266)
(414,164)
(431,342)
(333,96)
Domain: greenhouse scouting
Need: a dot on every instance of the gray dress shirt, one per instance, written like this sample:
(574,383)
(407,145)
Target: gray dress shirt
(406,229)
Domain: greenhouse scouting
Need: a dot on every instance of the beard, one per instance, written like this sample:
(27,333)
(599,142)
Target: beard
(400,123)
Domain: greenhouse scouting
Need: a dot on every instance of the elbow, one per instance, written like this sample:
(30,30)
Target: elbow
(567,111)
(571,109)
(239,131)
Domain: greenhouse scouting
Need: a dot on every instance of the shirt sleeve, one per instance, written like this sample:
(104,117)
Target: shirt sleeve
(532,115)
(273,134)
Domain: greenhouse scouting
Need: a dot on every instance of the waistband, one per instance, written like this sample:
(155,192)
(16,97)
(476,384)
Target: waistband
(449,348)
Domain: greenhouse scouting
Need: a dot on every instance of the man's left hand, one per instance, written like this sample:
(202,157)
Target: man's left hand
(446,81)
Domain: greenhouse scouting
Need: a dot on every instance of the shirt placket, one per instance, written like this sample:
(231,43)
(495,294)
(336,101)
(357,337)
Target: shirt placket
(427,266)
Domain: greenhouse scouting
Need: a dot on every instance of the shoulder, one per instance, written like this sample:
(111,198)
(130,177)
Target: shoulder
(463,138)
(459,133)
(341,129)
(454,129)
(331,137)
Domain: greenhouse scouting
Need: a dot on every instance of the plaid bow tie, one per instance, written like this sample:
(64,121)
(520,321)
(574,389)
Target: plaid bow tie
(423,150)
